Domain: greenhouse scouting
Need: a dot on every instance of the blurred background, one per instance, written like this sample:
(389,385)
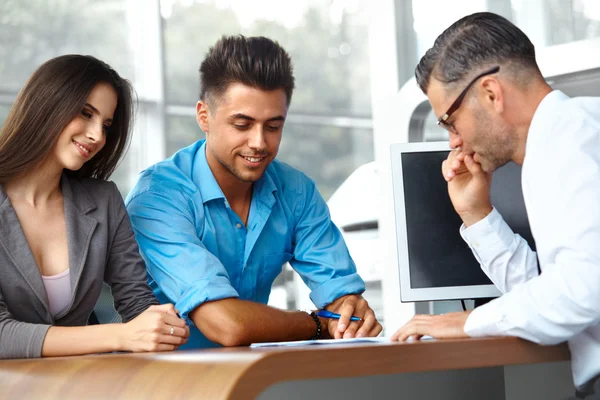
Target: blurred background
(348,56)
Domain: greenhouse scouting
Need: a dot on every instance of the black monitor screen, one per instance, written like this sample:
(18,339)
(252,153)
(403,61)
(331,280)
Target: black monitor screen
(438,256)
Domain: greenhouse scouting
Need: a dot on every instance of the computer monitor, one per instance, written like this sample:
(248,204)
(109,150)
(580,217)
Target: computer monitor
(434,261)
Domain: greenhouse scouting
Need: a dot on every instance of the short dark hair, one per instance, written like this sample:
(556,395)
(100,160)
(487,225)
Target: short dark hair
(472,43)
(55,94)
(258,62)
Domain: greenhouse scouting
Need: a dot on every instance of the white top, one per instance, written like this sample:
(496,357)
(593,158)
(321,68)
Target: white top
(561,188)
(58,289)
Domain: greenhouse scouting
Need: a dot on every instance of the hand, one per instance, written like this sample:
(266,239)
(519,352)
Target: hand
(348,306)
(446,326)
(468,186)
(151,330)
(165,308)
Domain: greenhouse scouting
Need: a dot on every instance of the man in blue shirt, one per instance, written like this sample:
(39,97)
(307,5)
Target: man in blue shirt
(217,221)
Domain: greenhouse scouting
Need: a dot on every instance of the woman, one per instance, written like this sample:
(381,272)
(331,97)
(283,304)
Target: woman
(64,228)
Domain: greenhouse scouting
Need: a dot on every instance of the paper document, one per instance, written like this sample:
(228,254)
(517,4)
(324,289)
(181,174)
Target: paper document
(298,343)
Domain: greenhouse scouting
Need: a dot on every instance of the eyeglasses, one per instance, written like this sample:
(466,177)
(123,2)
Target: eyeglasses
(442,120)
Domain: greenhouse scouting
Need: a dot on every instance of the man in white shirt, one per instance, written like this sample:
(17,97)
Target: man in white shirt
(483,82)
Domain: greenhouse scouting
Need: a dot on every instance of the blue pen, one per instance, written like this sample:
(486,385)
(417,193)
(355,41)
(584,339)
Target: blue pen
(329,314)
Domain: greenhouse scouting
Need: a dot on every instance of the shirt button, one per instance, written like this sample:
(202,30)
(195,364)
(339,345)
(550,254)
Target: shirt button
(238,225)
(476,244)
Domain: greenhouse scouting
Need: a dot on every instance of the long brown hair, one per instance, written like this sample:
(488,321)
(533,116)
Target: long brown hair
(53,96)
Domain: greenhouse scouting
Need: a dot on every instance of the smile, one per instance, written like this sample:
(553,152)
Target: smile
(83,149)
(254,159)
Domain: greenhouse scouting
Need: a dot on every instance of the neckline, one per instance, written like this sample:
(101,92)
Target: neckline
(57,276)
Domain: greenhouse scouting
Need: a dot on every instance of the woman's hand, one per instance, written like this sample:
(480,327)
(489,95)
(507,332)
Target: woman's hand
(159,328)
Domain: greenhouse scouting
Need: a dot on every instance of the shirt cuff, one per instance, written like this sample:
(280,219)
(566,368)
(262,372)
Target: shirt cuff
(485,320)
(336,288)
(489,237)
(202,291)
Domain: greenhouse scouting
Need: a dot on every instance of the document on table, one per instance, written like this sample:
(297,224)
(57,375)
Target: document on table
(298,343)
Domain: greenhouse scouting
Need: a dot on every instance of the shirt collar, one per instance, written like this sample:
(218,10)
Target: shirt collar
(210,189)
(204,178)
(265,186)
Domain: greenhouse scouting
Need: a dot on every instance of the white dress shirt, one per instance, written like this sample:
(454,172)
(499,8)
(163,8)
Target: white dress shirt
(561,188)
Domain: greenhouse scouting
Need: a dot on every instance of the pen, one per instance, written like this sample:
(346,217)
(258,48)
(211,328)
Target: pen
(329,314)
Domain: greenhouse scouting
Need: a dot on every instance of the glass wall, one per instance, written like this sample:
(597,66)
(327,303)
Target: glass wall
(159,44)
(32,31)
(327,42)
(328,130)
(546,22)
(551,22)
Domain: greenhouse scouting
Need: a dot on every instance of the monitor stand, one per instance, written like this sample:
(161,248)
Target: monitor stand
(446,306)
(482,301)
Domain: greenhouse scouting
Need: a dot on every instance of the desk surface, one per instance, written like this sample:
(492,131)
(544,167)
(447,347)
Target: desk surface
(243,373)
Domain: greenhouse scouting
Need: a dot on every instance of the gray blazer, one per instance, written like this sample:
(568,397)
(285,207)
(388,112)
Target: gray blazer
(102,247)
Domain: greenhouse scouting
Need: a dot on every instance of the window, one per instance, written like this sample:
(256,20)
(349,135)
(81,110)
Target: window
(565,21)
(328,132)
(33,31)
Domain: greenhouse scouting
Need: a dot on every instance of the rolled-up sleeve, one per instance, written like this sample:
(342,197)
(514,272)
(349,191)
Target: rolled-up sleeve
(165,223)
(320,254)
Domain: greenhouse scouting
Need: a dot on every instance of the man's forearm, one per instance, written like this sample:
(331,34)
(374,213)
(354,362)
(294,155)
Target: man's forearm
(235,322)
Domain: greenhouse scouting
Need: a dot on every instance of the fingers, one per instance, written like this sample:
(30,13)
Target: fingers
(162,323)
(473,167)
(459,162)
(350,331)
(165,347)
(346,310)
(377,329)
(446,170)
(367,326)
(331,326)
(453,165)
(156,341)
(409,331)
(332,329)
(446,326)
(175,331)
(370,326)
(165,308)
(417,327)
(348,306)
(168,339)
(156,347)
(334,326)
(160,344)
(170,319)
(170,316)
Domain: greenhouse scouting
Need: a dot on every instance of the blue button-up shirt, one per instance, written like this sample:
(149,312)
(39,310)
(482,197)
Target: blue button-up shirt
(197,249)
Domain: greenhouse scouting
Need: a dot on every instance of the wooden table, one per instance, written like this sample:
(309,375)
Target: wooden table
(243,373)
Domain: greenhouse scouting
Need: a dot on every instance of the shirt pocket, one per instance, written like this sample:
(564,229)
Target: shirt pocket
(270,269)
